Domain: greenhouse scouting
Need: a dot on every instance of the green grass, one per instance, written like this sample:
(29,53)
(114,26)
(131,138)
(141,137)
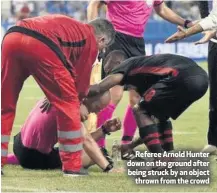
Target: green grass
(189,133)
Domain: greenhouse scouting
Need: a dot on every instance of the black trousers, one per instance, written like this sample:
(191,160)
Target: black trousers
(33,159)
(212,68)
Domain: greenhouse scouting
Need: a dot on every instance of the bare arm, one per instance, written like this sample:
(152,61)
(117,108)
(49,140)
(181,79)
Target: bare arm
(93,9)
(107,83)
(193,30)
(183,33)
(96,135)
(93,151)
(168,14)
(112,125)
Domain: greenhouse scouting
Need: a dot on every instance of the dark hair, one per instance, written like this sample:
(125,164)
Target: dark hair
(113,59)
(103,27)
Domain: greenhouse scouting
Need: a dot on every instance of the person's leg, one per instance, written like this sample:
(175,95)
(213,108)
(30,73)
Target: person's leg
(12,159)
(116,92)
(106,113)
(212,69)
(156,102)
(129,123)
(148,130)
(166,135)
(53,160)
(95,78)
(59,87)
(13,75)
(28,158)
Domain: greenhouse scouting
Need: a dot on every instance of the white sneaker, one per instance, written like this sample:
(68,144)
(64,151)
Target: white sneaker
(210,149)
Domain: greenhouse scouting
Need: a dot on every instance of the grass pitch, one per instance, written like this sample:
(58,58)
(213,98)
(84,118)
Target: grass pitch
(190,132)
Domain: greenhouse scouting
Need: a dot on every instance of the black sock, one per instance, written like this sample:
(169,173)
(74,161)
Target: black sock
(126,138)
(165,128)
(150,135)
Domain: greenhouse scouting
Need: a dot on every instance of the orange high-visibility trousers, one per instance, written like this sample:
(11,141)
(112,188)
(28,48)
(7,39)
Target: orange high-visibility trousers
(22,56)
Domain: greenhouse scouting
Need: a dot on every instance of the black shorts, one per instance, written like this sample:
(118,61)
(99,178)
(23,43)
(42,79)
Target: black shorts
(131,46)
(171,96)
(33,159)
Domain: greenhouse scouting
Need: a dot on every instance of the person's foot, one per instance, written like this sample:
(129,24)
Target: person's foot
(126,152)
(211,149)
(81,172)
(106,154)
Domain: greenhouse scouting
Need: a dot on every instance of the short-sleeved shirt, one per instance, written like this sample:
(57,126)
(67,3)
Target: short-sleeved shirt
(130,17)
(39,131)
(144,71)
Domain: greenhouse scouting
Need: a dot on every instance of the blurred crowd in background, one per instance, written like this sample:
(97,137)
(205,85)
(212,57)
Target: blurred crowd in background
(14,10)
(17,9)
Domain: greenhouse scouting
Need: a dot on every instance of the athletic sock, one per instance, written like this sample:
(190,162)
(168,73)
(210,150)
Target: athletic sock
(129,126)
(103,116)
(165,129)
(12,159)
(151,137)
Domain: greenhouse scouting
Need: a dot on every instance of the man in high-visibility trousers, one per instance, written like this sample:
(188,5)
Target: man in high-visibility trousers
(58,52)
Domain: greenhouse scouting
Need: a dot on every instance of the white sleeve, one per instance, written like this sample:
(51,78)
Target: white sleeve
(210,22)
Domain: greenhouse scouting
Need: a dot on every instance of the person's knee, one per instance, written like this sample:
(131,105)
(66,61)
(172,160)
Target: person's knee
(116,94)
(138,114)
(136,110)
(142,116)
(200,86)
(134,98)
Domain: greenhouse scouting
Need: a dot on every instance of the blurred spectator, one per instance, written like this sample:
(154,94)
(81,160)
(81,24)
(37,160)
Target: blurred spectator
(57,7)
(17,12)
(19,9)
(23,13)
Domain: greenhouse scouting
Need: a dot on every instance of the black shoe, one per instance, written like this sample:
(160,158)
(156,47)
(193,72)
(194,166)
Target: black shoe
(82,172)
(107,156)
(2,173)
(128,156)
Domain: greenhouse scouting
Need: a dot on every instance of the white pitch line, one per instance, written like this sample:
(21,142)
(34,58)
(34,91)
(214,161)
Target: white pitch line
(21,189)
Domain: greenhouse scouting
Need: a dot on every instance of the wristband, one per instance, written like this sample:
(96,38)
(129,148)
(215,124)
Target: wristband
(186,23)
(108,168)
(104,130)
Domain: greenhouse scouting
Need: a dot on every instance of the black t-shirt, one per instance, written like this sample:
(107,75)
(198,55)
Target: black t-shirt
(144,71)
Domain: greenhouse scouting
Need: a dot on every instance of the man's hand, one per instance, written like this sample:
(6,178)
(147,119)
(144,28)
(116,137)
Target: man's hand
(207,36)
(94,90)
(179,35)
(83,112)
(46,106)
(127,152)
(112,125)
